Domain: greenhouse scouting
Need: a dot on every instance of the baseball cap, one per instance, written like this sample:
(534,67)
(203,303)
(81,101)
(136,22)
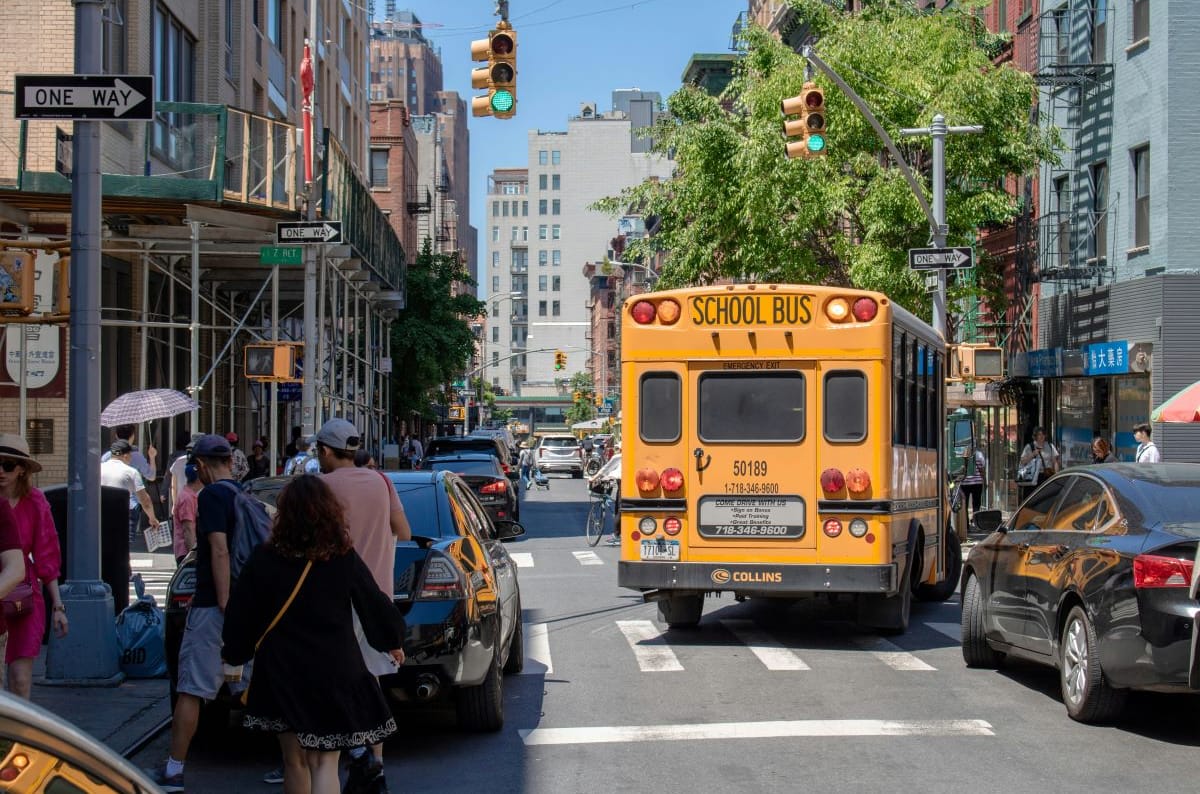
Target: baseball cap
(339,434)
(231,437)
(120,447)
(210,445)
(191,472)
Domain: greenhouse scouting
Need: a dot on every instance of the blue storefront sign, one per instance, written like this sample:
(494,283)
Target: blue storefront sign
(1045,363)
(1106,358)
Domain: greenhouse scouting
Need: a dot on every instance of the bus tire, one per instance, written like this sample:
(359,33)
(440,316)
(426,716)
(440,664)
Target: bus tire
(947,587)
(891,614)
(682,611)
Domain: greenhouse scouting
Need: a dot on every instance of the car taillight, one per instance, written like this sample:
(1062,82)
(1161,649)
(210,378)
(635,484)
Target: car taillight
(865,309)
(672,525)
(643,312)
(541,452)
(1156,571)
(672,480)
(646,479)
(832,527)
(832,481)
(858,481)
(494,487)
(441,580)
(180,600)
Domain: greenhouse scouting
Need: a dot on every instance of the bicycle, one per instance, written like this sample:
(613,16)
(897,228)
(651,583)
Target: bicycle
(602,502)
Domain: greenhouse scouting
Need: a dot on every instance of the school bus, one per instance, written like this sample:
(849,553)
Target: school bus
(783,441)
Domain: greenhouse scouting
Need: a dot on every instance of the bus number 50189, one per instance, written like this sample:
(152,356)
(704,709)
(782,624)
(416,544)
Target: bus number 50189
(749,468)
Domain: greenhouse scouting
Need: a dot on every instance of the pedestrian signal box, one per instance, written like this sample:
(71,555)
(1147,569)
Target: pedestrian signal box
(977,362)
(457,412)
(62,285)
(16,282)
(276,362)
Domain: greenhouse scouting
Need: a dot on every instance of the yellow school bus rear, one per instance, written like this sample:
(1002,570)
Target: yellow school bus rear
(760,452)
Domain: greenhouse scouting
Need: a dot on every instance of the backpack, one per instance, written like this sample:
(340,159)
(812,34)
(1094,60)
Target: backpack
(252,526)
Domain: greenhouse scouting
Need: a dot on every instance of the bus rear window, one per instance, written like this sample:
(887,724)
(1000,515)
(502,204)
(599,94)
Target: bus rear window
(660,409)
(845,406)
(751,407)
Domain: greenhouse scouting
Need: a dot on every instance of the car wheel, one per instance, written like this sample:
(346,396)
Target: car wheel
(975,649)
(1086,693)
(516,647)
(945,588)
(681,612)
(481,708)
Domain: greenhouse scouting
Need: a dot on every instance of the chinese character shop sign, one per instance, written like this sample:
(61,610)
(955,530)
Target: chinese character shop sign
(1106,358)
(43,355)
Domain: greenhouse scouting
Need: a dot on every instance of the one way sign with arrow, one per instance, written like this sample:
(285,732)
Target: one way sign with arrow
(308,232)
(101,97)
(940,258)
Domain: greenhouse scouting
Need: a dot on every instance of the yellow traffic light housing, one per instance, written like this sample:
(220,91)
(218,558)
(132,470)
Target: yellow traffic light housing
(273,361)
(560,360)
(809,127)
(499,77)
(62,285)
(16,282)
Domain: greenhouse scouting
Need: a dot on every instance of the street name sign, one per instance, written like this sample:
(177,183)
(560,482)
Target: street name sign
(308,232)
(281,255)
(940,258)
(97,97)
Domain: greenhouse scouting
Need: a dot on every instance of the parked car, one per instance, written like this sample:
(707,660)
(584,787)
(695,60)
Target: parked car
(458,590)
(452,445)
(503,434)
(559,452)
(1091,575)
(487,479)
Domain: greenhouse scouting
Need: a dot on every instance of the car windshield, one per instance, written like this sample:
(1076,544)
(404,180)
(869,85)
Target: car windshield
(420,507)
(479,466)
(560,443)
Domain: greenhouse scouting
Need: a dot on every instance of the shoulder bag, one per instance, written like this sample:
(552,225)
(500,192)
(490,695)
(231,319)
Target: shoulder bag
(19,601)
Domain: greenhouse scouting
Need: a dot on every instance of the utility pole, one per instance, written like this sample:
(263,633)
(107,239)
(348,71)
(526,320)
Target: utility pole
(938,131)
(308,388)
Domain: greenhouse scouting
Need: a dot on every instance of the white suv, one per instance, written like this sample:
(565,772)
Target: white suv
(560,452)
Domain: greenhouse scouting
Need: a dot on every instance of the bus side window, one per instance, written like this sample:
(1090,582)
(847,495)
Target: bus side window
(899,390)
(660,407)
(845,406)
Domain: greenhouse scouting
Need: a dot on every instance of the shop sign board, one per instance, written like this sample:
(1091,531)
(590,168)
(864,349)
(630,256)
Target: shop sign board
(1045,363)
(1106,358)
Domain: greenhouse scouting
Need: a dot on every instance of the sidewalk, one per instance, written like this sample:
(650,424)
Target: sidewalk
(117,716)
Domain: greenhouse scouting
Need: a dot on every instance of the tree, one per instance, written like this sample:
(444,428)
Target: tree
(737,208)
(583,391)
(432,338)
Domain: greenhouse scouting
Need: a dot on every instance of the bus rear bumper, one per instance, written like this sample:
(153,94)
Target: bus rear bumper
(782,580)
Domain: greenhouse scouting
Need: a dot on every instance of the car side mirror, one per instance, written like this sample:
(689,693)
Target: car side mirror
(508,530)
(989,520)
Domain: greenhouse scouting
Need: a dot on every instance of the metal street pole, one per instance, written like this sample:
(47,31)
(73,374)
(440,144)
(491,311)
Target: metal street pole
(89,653)
(308,388)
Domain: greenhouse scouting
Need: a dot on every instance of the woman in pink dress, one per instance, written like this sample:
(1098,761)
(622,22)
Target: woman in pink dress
(39,543)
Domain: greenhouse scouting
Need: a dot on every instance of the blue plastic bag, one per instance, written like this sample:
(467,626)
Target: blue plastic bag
(141,635)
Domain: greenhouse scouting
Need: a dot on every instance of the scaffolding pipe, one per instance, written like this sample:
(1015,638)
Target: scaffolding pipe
(173,353)
(194,364)
(274,385)
(145,346)
(232,359)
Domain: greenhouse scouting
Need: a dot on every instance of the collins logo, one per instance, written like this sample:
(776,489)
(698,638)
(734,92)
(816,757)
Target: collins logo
(720,576)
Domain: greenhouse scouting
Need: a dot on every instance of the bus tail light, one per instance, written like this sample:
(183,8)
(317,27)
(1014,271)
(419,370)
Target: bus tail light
(668,312)
(832,481)
(832,527)
(647,526)
(837,310)
(858,481)
(1157,571)
(672,525)
(865,309)
(646,479)
(858,527)
(672,480)
(643,312)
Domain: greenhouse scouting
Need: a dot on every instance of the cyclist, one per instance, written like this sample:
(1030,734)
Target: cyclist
(608,478)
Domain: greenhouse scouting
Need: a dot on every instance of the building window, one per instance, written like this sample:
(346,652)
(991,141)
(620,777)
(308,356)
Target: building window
(555,232)
(555,308)
(555,182)
(542,157)
(525,234)
(172,63)
(115,40)
(556,257)
(504,208)
(495,306)
(524,209)
(379,167)
(513,238)
(1001,16)
(495,283)
(495,357)
(516,336)
(495,209)
(1141,20)
(495,259)
(541,283)
(1062,217)
(542,207)
(555,159)
(541,181)
(1100,31)
(495,234)
(542,258)
(542,232)
(556,283)
(495,333)
(1141,197)
(515,205)
(556,207)
(541,308)
(520,259)
(1099,224)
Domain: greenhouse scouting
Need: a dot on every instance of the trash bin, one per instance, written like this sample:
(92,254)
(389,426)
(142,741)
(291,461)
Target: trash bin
(114,537)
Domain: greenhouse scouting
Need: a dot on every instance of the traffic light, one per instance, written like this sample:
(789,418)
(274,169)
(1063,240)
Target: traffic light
(599,401)
(16,282)
(560,360)
(499,77)
(272,361)
(809,128)
(977,362)
(62,285)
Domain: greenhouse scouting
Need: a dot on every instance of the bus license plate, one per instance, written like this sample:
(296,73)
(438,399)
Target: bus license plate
(660,549)
(764,517)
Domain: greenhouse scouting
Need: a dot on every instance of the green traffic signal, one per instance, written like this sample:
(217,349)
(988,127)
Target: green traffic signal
(816,143)
(502,101)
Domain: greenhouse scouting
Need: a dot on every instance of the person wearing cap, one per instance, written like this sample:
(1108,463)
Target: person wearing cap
(199,671)
(41,553)
(145,464)
(117,472)
(375,520)
(240,466)
(184,525)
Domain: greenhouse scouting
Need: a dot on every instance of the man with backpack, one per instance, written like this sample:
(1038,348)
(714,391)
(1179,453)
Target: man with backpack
(229,524)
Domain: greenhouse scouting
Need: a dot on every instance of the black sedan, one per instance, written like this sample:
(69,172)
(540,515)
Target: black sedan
(1092,575)
(457,588)
(487,479)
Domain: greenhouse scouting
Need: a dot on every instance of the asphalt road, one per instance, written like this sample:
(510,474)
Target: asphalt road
(761,697)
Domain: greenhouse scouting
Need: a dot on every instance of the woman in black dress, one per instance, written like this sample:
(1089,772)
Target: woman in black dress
(310,685)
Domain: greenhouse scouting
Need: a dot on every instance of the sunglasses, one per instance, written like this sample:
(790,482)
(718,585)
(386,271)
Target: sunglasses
(9,465)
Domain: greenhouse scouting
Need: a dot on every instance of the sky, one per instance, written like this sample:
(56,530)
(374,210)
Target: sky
(568,52)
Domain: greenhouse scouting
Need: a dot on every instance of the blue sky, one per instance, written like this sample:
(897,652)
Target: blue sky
(568,51)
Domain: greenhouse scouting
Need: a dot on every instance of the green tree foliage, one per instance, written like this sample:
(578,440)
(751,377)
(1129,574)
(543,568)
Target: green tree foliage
(584,391)
(431,339)
(738,208)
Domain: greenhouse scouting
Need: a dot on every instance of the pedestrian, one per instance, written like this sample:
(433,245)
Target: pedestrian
(170,489)
(42,556)
(1102,451)
(12,563)
(184,524)
(291,448)
(311,685)
(199,675)
(259,462)
(365,460)
(1147,451)
(974,476)
(116,472)
(303,462)
(375,520)
(1043,456)
(416,452)
(146,465)
(240,466)
(525,462)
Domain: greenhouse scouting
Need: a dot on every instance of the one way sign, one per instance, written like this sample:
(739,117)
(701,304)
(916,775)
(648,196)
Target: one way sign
(940,258)
(308,232)
(103,97)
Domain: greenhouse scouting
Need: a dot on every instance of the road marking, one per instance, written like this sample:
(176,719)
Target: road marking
(588,558)
(951,630)
(892,655)
(768,650)
(755,730)
(649,646)
(537,650)
(523,559)
(141,562)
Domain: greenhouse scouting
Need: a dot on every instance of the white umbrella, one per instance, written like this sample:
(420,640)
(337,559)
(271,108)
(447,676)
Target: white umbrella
(136,407)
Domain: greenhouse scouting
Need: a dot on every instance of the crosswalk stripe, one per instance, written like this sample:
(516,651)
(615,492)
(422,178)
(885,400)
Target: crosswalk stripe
(588,558)
(768,650)
(537,650)
(755,730)
(951,630)
(523,559)
(649,646)
(892,655)
(141,562)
